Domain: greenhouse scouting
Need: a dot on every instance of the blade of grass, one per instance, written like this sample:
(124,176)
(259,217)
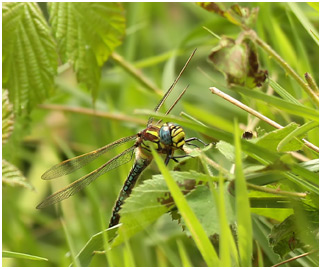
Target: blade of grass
(242,205)
(199,235)
(71,248)
(183,254)
(290,107)
(18,255)
(297,11)
(297,132)
(282,92)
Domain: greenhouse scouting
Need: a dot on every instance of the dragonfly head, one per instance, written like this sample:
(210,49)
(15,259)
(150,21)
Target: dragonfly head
(171,134)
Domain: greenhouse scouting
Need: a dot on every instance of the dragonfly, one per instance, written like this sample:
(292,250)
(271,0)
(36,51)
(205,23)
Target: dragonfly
(165,139)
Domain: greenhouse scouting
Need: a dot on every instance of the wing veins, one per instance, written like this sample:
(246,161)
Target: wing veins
(81,183)
(68,166)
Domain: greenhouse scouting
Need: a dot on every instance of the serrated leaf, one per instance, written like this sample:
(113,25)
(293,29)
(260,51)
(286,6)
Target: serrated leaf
(201,202)
(29,55)
(228,150)
(272,139)
(286,236)
(87,33)
(12,176)
(150,200)
(7,117)
(18,255)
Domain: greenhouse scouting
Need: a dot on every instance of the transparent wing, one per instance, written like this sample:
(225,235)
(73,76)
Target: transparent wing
(81,183)
(73,164)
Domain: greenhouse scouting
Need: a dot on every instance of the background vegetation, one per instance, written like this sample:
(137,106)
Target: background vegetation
(73,77)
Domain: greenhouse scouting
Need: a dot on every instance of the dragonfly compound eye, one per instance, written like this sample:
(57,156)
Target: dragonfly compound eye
(172,134)
(165,134)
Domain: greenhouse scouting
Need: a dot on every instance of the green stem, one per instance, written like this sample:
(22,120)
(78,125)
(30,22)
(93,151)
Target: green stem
(288,69)
(278,192)
(136,73)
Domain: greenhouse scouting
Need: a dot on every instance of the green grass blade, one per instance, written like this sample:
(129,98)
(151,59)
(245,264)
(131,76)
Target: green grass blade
(17,255)
(294,109)
(282,92)
(202,241)
(305,22)
(242,205)
(183,254)
(296,133)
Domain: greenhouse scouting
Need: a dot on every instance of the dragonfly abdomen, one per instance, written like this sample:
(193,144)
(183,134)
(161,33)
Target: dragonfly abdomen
(138,167)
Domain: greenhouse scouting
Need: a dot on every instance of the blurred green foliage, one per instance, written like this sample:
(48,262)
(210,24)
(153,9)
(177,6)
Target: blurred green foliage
(157,41)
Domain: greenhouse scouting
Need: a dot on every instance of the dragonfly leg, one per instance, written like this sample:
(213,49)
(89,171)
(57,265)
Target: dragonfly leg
(195,139)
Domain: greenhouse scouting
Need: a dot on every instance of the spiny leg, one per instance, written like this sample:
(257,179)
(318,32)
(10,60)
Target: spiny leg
(195,139)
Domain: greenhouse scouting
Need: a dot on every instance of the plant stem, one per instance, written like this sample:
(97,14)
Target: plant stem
(256,114)
(91,112)
(136,73)
(294,258)
(288,69)
(278,192)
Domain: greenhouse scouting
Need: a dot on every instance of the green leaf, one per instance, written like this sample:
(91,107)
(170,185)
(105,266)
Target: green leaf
(150,200)
(87,33)
(227,150)
(12,176)
(29,55)
(272,139)
(198,234)
(7,117)
(285,237)
(238,61)
(302,130)
(242,206)
(17,255)
(206,211)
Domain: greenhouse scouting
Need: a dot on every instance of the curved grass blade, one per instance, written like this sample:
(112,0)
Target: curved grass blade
(81,183)
(73,164)
(203,243)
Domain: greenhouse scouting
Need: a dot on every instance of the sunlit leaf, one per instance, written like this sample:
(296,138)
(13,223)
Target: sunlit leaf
(87,33)
(29,55)
(12,176)
(7,117)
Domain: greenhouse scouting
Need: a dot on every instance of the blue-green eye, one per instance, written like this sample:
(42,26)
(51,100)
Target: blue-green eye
(165,134)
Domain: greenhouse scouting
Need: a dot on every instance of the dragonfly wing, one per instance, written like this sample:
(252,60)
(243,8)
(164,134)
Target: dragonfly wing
(73,164)
(81,183)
